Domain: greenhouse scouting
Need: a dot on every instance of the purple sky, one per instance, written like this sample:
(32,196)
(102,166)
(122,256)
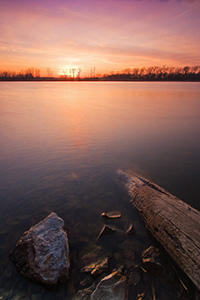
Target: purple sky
(107,34)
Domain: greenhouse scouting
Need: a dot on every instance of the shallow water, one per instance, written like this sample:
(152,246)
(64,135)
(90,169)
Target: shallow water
(61,144)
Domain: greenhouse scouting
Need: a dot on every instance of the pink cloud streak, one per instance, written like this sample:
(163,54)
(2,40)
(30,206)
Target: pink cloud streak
(111,35)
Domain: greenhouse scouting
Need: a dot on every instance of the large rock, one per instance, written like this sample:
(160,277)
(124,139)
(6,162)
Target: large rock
(42,253)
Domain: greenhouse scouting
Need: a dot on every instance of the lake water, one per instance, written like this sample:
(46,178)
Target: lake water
(61,145)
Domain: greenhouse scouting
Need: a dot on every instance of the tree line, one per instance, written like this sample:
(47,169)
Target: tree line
(28,74)
(154,73)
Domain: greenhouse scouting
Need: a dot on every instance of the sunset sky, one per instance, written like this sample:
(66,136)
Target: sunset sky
(109,35)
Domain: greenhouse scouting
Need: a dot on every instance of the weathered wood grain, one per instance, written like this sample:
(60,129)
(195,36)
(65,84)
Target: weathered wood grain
(174,224)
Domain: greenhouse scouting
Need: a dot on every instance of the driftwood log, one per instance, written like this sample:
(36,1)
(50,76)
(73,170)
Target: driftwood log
(174,224)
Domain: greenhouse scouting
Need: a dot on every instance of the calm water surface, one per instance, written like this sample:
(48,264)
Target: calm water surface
(61,144)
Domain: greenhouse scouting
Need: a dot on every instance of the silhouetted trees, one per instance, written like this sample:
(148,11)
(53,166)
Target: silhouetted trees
(49,73)
(154,73)
(28,74)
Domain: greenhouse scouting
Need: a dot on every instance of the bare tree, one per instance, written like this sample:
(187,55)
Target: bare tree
(29,73)
(79,72)
(49,72)
(37,72)
(93,70)
(65,72)
(73,72)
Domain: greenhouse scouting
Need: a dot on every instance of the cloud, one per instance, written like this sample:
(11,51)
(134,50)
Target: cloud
(107,35)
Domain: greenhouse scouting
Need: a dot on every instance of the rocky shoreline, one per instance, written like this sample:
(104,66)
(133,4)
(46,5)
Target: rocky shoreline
(108,269)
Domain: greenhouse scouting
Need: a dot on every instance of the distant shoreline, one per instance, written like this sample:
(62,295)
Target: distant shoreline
(96,79)
(154,73)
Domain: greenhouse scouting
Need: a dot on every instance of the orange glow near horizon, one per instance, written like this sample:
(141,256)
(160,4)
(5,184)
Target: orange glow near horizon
(110,35)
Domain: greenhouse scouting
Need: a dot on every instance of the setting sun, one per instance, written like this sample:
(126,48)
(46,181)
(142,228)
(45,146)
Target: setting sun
(70,71)
(105,35)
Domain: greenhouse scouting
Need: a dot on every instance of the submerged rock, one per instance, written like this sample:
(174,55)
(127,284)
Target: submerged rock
(127,244)
(130,230)
(126,258)
(106,230)
(84,294)
(111,214)
(111,287)
(129,254)
(42,253)
(87,281)
(134,278)
(96,262)
(151,258)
